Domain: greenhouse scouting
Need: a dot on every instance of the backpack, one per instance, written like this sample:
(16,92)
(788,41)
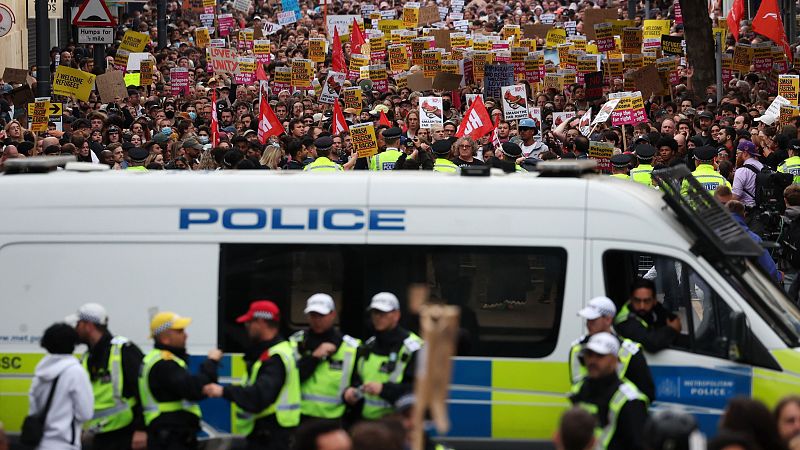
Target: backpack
(34,425)
(761,195)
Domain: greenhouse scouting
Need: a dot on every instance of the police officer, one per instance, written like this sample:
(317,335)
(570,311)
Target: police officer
(113,365)
(169,393)
(386,159)
(705,172)
(137,156)
(508,154)
(599,314)
(326,360)
(386,362)
(792,163)
(323,163)
(268,399)
(620,166)
(441,163)
(620,408)
(642,173)
(644,320)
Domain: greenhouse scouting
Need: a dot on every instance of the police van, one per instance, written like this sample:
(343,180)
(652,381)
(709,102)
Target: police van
(520,254)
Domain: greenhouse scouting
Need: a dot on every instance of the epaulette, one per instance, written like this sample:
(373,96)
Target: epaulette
(632,347)
(351,341)
(167,355)
(412,344)
(629,391)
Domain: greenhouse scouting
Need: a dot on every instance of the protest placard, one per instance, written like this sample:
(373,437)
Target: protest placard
(672,45)
(592,16)
(789,87)
(495,77)
(111,86)
(146,68)
(398,58)
(364,140)
(132,42)
(515,102)
(556,37)
(445,81)
(632,40)
(179,81)
(431,62)
(202,37)
(245,70)
(352,97)
(332,87)
(431,112)
(604,36)
(223,60)
(302,73)
(283,79)
(73,82)
(317,49)
(379,77)
(602,153)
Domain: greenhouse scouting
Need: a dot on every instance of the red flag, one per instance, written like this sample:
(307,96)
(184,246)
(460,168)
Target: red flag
(214,122)
(357,39)
(476,122)
(735,17)
(455,97)
(268,123)
(384,120)
(339,125)
(767,22)
(260,74)
(338,64)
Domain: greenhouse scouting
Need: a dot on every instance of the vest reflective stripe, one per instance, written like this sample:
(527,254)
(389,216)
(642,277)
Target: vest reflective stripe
(286,407)
(323,164)
(384,160)
(444,165)
(642,174)
(792,166)
(370,370)
(579,372)
(621,176)
(519,169)
(111,410)
(626,391)
(151,407)
(137,169)
(321,393)
(626,313)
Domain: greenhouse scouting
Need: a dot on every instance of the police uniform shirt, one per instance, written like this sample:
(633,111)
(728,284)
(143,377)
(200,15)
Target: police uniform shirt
(307,363)
(269,381)
(657,336)
(384,344)
(638,371)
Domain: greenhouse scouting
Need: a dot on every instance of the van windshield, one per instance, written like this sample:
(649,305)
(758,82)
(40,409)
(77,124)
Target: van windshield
(770,302)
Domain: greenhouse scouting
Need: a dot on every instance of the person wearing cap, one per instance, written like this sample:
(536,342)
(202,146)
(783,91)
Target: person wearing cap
(620,166)
(137,156)
(792,163)
(507,157)
(168,391)
(112,363)
(642,173)
(326,360)
(530,147)
(322,163)
(268,398)
(192,148)
(386,363)
(747,169)
(645,320)
(617,404)
(705,171)
(386,159)
(599,314)
(441,150)
(704,121)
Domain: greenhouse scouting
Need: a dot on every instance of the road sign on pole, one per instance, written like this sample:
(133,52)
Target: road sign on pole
(94,13)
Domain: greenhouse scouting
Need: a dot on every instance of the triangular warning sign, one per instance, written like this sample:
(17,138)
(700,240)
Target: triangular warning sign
(94,13)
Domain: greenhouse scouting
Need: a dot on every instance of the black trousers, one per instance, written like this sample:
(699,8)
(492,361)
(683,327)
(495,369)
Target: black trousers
(117,439)
(270,438)
(174,438)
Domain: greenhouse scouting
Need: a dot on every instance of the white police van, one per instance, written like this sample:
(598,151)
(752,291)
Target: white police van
(520,254)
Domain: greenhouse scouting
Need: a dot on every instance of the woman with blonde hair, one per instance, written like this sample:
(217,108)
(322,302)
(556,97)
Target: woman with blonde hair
(271,157)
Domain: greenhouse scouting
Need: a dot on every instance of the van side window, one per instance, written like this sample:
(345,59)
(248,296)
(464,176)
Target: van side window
(705,317)
(510,297)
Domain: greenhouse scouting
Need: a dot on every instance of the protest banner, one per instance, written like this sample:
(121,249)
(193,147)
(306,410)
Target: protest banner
(604,36)
(431,62)
(364,140)
(73,82)
(655,28)
(111,86)
(602,153)
(202,37)
(317,49)
(431,112)
(146,68)
(352,97)
(245,70)
(622,114)
(223,60)
(495,77)
(515,102)
(379,77)
(179,81)
(342,23)
(302,73)
(332,88)
(132,42)
(399,59)
(789,88)
(672,45)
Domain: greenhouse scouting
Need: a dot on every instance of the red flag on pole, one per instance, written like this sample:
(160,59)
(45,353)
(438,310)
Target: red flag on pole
(268,123)
(383,120)
(357,39)
(767,22)
(338,64)
(735,17)
(260,73)
(339,124)
(214,122)
(476,122)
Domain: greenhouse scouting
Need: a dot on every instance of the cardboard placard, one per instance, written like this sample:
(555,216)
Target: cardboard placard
(446,81)
(418,82)
(594,16)
(15,76)
(431,112)
(428,15)
(535,30)
(22,95)
(111,85)
(442,39)
(646,80)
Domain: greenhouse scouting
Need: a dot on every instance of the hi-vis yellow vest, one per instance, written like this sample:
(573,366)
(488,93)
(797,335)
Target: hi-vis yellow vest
(151,407)
(111,410)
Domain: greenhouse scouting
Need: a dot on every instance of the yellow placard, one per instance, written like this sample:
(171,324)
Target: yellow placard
(789,87)
(38,116)
(353,98)
(132,42)
(431,62)
(410,17)
(458,40)
(364,140)
(73,82)
(302,73)
(653,29)
(283,76)
(418,46)
(450,66)
(554,81)
(134,79)
(358,61)
(201,37)
(511,31)
(145,73)
(479,61)
(317,49)
(556,37)
(742,57)
(398,58)
(386,26)
(578,42)
(632,40)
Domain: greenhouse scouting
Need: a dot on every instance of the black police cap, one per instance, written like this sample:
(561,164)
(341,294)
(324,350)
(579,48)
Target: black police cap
(645,152)
(392,133)
(323,143)
(705,153)
(511,149)
(138,154)
(794,145)
(621,161)
(441,147)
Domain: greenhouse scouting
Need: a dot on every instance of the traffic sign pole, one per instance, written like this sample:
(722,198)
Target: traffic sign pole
(42,49)
(99,58)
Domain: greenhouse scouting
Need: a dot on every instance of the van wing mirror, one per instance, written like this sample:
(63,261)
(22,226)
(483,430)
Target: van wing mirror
(738,336)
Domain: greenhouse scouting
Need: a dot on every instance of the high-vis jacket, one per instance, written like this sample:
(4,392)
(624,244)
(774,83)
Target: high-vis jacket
(112,411)
(792,166)
(642,174)
(323,164)
(151,407)
(616,429)
(385,160)
(385,369)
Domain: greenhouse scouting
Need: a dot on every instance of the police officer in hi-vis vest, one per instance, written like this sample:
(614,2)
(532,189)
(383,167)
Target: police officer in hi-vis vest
(326,360)
(168,391)
(599,314)
(268,400)
(386,362)
(113,365)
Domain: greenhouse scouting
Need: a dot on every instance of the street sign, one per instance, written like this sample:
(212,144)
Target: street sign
(95,35)
(55,9)
(7,19)
(94,13)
